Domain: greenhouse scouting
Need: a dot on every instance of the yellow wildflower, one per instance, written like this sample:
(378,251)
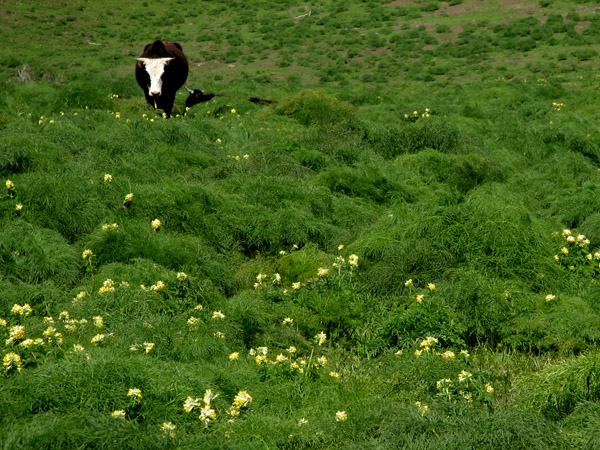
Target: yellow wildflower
(16,333)
(218,315)
(242,399)
(449,354)
(341,416)
(99,338)
(148,346)
(190,403)
(108,178)
(321,338)
(135,392)
(12,361)
(169,428)
(234,356)
(119,413)
(207,414)
(181,276)
(156,224)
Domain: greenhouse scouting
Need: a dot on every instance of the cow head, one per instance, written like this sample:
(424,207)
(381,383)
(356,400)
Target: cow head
(155,67)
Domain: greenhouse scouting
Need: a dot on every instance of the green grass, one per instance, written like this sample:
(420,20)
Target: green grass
(444,143)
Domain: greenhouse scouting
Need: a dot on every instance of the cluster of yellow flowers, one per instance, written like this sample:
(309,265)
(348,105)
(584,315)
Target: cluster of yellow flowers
(415,115)
(136,396)
(299,364)
(110,227)
(207,413)
(463,388)
(11,361)
(419,297)
(146,347)
(108,285)
(557,106)
(423,408)
(24,310)
(11,192)
(576,255)
(340,263)
(238,157)
(426,346)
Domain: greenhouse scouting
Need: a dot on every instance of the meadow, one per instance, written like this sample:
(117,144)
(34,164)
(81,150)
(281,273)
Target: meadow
(402,252)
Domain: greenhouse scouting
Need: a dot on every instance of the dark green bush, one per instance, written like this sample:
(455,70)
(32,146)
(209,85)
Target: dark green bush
(311,107)
(391,141)
(557,389)
(33,255)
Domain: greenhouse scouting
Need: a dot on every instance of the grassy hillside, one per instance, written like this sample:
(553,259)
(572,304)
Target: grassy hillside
(402,252)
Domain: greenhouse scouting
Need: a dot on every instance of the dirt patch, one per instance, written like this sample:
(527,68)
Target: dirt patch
(399,3)
(460,9)
(582,26)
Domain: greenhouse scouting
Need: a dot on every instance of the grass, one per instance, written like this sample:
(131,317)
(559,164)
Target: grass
(378,260)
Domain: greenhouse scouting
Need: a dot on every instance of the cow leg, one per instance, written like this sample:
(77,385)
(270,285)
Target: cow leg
(167,103)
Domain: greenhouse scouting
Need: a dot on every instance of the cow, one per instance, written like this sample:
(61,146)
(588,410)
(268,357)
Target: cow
(160,71)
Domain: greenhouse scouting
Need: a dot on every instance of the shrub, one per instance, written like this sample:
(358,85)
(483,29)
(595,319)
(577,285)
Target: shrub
(33,255)
(317,108)
(430,133)
(16,153)
(557,389)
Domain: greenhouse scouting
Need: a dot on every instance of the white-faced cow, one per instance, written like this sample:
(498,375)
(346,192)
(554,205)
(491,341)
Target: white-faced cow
(161,71)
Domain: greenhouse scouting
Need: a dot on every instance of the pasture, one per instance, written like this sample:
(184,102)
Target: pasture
(402,252)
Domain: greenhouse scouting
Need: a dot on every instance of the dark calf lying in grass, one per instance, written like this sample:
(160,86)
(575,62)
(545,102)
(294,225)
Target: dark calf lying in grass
(198,96)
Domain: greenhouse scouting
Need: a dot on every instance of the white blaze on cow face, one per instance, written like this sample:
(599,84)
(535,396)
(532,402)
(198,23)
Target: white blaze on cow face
(155,67)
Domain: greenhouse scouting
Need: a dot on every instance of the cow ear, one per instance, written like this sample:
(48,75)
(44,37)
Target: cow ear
(178,46)
(141,59)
